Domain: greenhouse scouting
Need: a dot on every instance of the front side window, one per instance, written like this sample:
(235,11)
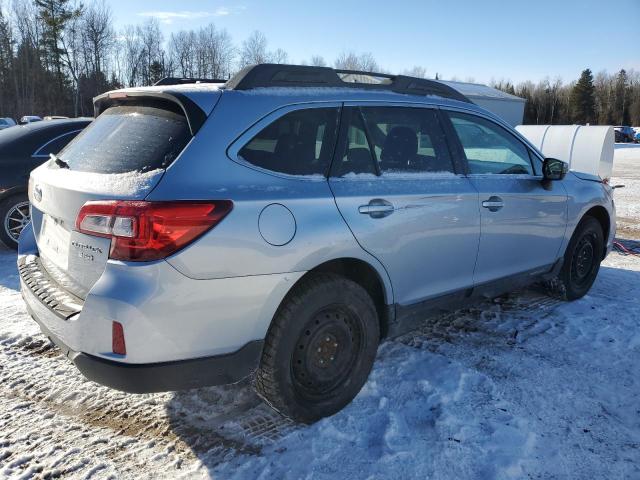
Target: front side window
(395,141)
(298,143)
(489,148)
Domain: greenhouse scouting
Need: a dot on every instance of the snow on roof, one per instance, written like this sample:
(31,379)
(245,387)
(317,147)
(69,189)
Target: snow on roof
(185,87)
(478,90)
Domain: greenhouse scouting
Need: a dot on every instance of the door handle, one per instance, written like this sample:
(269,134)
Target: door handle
(493,204)
(377,208)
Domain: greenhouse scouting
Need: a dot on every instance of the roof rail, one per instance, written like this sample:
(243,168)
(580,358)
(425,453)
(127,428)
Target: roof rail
(184,81)
(277,75)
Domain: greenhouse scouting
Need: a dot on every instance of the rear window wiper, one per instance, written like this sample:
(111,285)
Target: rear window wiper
(58,161)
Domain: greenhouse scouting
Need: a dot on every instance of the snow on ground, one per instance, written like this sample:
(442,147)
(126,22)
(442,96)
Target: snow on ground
(626,171)
(522,387)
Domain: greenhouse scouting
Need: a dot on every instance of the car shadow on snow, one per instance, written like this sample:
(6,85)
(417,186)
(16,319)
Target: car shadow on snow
(217,423)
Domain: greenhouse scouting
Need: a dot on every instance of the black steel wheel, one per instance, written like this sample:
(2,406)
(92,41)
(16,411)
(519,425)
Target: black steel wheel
(319,349)
(581,260)
(326,352)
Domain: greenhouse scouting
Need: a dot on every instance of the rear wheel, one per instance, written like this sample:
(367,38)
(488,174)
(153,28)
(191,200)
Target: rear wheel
(319,349)
(14,216)
(581,261)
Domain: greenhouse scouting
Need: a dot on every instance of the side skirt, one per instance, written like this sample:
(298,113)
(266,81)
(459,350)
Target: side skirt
(409,317)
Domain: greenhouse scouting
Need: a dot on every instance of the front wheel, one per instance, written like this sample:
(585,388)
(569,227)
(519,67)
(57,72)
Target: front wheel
(14,216)
(581,261)
(319,349)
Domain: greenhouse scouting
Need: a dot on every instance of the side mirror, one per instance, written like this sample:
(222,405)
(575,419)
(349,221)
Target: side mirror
(554,169)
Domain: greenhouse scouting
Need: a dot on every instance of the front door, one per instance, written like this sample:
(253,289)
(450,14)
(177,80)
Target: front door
(523,221)
(395,185)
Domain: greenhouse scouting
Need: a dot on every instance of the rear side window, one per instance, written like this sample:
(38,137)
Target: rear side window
(489,148)
(395,140)
(407,140)
(298,143)
(128,138)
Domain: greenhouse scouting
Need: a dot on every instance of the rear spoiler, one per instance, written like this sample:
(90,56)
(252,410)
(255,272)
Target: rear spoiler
(194,114)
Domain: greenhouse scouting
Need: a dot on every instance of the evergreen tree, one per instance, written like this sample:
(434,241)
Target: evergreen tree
(582,100)
(55,15)
(156,72)
(621,102)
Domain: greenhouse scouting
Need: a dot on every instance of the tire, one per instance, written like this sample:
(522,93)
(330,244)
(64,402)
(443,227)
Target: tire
(319,349)
(581,261)
(14,215)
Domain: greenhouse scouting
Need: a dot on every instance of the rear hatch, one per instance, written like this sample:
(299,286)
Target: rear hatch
(121,155)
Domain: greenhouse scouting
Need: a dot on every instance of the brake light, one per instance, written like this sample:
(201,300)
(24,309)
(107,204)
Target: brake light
(142,231)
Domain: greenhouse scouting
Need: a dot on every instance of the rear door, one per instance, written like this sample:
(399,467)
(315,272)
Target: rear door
(396,186)
(121,155)
(522,221)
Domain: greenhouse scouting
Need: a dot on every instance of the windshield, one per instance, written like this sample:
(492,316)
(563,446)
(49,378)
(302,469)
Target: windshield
(128,138)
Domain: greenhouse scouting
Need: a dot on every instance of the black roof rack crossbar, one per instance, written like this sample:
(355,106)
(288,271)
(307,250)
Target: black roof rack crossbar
(184,81)
(277,75)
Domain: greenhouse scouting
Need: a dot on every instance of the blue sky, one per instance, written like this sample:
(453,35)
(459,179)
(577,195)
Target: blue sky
(482,39)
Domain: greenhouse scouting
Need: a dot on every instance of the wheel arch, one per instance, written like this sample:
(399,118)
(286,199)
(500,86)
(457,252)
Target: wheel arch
(12,192)
(365,275)
(602,216)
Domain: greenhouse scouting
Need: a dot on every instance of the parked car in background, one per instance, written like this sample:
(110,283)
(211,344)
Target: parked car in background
(30,119)
(23,148)
(282,225)
(54,117)
(637,135)
(618,136)
(6,122)
(628,133)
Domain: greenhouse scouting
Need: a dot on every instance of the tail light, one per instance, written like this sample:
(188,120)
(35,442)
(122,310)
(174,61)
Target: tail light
(143,231)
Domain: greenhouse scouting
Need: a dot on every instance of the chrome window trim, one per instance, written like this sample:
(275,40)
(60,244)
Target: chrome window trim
(37,154)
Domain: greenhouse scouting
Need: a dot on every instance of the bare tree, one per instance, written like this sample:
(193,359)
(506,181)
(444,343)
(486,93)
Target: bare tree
(182,52)
(318,61)
(131,49)
(98,35)
(352,61)
(152,52)
(416,71)
(254,50)
(279,56)
(215,52)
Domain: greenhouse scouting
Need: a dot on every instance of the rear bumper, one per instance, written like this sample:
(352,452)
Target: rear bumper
(165,376)
(166,317)
(179,332)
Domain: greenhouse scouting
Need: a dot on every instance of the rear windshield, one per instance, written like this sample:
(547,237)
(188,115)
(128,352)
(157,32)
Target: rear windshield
(128,138)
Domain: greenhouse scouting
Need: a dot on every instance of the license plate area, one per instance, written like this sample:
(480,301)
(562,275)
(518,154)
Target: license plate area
(54,241)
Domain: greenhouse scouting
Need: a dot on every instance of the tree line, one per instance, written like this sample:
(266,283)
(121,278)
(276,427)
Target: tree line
(603,99)
(56,55)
